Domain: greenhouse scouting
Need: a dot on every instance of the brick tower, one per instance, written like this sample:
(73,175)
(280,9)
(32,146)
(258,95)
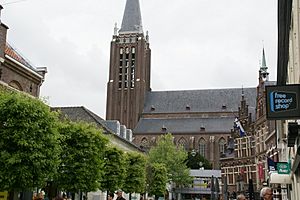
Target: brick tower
(129,72)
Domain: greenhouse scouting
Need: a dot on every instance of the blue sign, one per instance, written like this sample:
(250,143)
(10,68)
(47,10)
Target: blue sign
(283,102)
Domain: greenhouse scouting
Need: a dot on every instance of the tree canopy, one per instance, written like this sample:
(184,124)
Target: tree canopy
(157,178)
(115,168)
(196,161)
(174,158)
(135,173)
(29,142)
(83,147)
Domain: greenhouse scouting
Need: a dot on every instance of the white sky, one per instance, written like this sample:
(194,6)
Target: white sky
(196,44)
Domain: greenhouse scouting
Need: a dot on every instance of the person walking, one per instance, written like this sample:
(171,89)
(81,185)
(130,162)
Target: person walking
(119,194)
(110,196)
(241,197)
(266,193)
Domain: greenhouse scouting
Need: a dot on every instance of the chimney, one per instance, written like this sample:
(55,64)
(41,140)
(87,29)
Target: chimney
(3,33)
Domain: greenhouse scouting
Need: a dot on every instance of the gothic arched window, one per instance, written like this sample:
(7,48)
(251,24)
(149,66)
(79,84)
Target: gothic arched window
(144,142)
(202,147)
(222,143)
(182,141)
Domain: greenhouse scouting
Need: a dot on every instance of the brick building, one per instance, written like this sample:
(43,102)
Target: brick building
(15,71)
(245,159)
(198,119)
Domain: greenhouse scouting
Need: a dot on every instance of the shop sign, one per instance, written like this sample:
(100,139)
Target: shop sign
(283,102)
(283,168)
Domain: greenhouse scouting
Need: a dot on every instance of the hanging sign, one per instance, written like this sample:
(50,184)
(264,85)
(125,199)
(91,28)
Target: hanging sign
(283,168)
(283,102)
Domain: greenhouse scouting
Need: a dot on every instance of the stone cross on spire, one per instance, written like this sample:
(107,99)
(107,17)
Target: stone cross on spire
(132,20)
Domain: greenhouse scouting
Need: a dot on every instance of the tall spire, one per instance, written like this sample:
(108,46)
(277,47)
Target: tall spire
(264,63)
(132,20)
(263,68)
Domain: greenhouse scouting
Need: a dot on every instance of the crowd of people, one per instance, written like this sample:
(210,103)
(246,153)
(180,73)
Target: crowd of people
(266,193)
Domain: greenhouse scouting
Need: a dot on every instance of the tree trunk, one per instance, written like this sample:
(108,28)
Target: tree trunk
(129,196)
(11,195)
(73,195)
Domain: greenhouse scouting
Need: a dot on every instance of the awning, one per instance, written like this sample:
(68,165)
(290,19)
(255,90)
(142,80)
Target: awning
(280,178)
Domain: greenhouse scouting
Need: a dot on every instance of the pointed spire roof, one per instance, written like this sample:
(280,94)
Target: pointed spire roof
(132,20)
(264,63)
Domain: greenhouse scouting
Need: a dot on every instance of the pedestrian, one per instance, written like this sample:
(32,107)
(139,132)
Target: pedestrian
(34,196)
(41,195)
(110,196)
(119,193)
(241,197)
(266,193)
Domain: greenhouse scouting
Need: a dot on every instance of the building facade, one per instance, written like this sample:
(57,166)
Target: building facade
(15,71)
(198,119)
(129,72)
(288,72)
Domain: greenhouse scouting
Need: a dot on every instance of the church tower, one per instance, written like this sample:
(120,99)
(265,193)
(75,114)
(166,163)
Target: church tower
(129,71)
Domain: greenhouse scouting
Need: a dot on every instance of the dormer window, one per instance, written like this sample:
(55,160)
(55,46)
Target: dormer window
(202,128)
(224,107)
(187,107)
(152,108)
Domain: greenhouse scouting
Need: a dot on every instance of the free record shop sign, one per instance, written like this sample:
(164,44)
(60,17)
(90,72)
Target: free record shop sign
(283,102)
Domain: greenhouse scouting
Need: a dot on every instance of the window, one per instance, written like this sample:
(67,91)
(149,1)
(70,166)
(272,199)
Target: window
(132,84)
(222,143)
(144,142)
(182,142)
(132,70)
(16,85)
(202,147)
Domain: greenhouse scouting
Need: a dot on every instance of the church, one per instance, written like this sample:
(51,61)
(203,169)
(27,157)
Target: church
(200,120)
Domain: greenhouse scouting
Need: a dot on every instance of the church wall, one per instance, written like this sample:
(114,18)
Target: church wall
(189,141)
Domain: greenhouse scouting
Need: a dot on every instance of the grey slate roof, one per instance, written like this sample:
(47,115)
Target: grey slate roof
(184,125)
(81,113)
(210,100)
(132,20)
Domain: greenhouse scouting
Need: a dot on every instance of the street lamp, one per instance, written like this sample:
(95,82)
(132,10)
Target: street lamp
(193,153)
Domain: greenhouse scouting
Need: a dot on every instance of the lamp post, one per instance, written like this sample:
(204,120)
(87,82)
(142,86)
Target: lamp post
(193,153)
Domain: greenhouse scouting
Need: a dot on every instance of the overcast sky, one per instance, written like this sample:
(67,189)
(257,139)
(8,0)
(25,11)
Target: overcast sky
(196,44)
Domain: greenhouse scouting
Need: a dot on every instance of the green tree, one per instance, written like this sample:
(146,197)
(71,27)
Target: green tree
(174,158)
(196,160)
(83,147)
(29,142)
(115,169)
(157,179)
(135,173)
